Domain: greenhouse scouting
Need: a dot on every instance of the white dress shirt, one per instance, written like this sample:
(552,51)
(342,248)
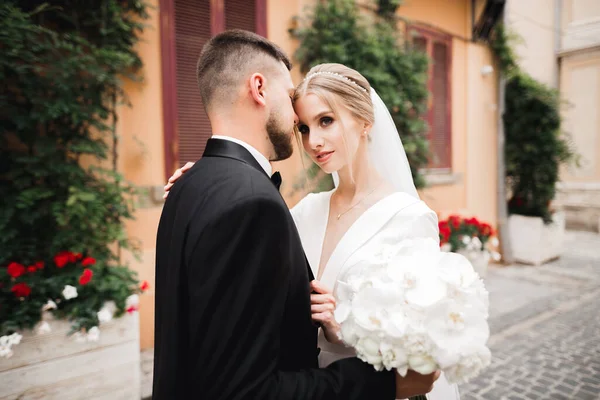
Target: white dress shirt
(260,158)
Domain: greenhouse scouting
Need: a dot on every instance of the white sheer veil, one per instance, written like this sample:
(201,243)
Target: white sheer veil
(386,152)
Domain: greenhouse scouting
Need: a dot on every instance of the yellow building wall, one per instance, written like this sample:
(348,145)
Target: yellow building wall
(141,158)
(472,191)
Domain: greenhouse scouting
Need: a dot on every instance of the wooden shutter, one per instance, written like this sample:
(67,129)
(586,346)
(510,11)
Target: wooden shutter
(440,116)
(192,30)
(240,14)
(438,47)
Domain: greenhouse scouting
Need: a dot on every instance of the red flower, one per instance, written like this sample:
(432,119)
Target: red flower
(74,257)
(132,309)
(31,269)
(63,258)
(15,269)
(86,277)
(455,221)
(39,265)
(88,261)
(445,234)
(144,286)
(486,230)
(21,290)
(472,221)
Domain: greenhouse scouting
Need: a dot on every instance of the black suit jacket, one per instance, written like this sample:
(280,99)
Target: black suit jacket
(232,312)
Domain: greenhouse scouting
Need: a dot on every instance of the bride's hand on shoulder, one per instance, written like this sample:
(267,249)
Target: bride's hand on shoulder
(175,176)
(322,306)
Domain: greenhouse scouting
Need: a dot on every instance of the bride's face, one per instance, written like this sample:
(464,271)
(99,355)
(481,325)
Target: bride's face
(323,130)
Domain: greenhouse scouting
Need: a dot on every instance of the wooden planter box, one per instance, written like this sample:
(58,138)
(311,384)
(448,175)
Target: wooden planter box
(54,366)
(533,242)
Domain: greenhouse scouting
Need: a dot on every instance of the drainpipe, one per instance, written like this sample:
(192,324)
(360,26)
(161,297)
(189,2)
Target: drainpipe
(502,206)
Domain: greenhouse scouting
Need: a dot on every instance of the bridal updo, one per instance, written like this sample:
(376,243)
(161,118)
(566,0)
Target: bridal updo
(338,85)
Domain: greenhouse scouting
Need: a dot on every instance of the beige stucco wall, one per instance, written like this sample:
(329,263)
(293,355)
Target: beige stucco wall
(534,21)
(141,158)
(580,86)
(470,188)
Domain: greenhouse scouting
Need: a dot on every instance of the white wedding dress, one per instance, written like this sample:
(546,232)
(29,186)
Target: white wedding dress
(394,218)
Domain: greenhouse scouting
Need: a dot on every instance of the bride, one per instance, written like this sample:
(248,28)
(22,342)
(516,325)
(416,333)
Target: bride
(348,132)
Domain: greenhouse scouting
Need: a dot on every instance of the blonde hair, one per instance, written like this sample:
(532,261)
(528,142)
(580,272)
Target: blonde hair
(338,85)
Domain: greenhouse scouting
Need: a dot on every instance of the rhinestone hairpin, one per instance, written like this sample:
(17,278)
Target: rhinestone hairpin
(339,76)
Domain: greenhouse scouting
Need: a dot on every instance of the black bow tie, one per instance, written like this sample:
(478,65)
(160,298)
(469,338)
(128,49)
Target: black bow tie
(276,179)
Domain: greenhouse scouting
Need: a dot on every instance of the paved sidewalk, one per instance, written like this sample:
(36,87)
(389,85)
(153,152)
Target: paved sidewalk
(545,324)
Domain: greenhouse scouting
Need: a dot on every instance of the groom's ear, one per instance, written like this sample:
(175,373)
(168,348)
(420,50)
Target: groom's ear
(257,88)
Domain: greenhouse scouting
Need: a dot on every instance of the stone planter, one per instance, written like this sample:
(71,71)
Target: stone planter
(479,259)
(533,242)
(54,366)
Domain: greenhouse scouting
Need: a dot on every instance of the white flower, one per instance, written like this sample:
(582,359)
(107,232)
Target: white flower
(5,352)
(4,340)
(50,305)
(422,363)
(132,300)
(475,244)
(93,334)
(422,309)
(43,328)
(367,349)
(446,247)
(69,292)
(466,240)
(14,339)
(494,241)
(496,256)
(104,315)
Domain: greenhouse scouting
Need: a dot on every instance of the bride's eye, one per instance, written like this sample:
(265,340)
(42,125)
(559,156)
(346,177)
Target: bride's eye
(326,121)
(303,129)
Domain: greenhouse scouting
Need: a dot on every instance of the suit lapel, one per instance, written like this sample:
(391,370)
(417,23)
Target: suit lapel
(228,149)
(363,229)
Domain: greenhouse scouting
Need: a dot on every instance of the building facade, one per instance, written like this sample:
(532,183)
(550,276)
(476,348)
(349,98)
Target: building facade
(166,124)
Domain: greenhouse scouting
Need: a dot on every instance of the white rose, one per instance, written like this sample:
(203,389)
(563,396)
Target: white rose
(466,240)
(367,349)
(469,365)
(14,339)
(446,247)
(50,305)
(494,241)
(69,292)
(394,356)
(93,334)
(5,352)
(43,328)
(4,340)
(422,363)
(104,315)
(132,300)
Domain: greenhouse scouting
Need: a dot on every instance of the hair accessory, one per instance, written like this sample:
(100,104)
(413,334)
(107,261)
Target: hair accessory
(339,76)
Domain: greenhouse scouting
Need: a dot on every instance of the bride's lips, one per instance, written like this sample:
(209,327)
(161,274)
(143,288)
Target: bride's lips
(324,156)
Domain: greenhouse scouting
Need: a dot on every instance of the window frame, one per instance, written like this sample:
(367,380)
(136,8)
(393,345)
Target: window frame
(432,36)
(168,64)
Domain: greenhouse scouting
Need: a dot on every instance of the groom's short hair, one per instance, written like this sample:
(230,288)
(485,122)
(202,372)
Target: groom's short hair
(227,58)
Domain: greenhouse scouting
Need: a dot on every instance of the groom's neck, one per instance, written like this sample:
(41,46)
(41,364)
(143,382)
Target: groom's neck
(248,129)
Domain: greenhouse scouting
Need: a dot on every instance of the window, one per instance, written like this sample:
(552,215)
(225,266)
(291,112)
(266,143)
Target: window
(438,47)
(186,25)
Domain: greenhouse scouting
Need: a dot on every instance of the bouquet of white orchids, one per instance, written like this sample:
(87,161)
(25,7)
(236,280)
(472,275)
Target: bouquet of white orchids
(412,306)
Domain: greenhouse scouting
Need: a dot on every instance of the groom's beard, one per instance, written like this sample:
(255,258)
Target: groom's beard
(281,140)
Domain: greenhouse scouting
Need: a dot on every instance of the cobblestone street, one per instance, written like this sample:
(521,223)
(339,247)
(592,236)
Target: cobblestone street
(545,324)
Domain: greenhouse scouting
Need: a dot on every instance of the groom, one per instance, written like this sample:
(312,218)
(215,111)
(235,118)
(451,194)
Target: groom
(233,315)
